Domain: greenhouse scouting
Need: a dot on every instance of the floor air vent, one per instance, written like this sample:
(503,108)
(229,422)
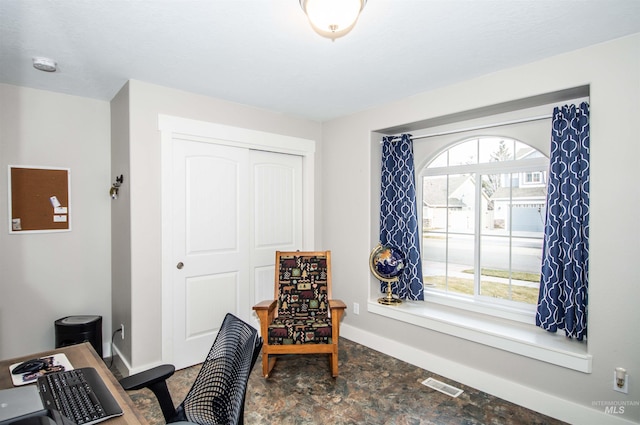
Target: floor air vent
(442,387)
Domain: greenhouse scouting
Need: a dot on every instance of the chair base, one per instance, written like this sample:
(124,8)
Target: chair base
(269,361)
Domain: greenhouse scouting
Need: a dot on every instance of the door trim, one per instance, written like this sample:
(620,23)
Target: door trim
(175,128)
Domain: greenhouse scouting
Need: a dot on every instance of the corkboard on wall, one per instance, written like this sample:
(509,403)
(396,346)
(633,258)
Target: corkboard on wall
(39,199)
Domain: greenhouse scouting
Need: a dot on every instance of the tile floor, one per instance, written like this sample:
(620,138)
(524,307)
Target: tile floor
(372,388)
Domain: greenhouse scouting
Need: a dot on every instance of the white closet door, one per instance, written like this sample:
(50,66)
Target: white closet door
(276,188)
(211,212)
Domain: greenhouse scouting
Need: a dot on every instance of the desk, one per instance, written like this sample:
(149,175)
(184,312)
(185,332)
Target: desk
(83,355)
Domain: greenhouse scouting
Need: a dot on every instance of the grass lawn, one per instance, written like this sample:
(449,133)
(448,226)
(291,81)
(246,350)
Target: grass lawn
(458,285)
(527,277)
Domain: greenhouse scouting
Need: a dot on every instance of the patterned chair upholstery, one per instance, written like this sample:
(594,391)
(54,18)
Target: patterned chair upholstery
(302,318)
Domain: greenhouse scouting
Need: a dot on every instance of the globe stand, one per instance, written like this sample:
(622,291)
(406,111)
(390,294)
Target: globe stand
(393,258)
(389,300)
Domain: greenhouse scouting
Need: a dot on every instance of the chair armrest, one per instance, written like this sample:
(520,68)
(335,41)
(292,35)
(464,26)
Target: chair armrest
(268,305)
(266,311)
(147,378)
(156,380)
(336,309)
(337,304)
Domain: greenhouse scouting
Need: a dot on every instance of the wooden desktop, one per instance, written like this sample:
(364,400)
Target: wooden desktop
(83,355)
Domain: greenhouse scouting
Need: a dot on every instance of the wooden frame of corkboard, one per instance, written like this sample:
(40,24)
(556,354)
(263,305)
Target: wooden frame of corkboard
(39,199)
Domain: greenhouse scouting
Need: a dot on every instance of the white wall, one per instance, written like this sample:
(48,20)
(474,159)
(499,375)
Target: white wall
(44,277)
(350,157)
(145,102)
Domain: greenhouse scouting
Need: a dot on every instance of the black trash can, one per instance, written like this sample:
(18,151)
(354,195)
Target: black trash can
(72,330)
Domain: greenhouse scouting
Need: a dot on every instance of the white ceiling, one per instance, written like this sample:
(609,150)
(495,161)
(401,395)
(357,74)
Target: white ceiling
(264,53)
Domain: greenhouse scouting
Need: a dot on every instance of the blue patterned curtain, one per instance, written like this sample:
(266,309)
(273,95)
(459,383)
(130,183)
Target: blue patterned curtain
(562,303)
(398,214)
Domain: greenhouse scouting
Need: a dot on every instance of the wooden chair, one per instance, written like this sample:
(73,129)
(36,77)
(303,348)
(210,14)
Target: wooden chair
(303,318)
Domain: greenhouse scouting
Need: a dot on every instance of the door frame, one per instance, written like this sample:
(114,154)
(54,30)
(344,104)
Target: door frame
(175,129)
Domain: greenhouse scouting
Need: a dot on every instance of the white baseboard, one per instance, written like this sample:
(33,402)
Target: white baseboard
(122,361)
(511,391)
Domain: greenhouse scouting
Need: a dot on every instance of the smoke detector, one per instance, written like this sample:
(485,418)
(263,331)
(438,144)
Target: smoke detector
(45,64)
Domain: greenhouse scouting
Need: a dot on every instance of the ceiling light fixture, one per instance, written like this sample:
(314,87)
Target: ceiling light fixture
(45,64)
(332,18)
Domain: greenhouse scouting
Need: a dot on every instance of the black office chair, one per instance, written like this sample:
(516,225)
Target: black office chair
(218,393)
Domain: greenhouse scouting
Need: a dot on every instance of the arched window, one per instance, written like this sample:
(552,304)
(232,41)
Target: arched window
(483,210)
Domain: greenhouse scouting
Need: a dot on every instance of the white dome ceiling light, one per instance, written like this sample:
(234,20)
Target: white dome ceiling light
(45,64)
(332,18)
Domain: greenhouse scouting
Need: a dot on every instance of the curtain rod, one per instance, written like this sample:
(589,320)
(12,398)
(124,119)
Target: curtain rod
(479,127)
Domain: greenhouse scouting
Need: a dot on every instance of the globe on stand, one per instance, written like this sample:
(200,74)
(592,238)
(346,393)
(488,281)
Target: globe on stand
(387,264)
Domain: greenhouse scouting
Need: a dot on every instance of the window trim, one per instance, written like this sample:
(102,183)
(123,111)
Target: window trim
(518,338)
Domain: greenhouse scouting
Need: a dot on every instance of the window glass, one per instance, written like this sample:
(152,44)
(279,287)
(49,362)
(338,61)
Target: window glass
(495,270)
(441,160)
(524,151)
(461,203)
(434,260)
(483,229)
(496,188)
(464,153)
(495,149)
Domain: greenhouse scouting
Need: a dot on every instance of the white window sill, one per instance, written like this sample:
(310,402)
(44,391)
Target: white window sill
(523,339)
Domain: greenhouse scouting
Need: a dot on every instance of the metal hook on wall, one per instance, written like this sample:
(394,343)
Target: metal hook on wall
(113,192)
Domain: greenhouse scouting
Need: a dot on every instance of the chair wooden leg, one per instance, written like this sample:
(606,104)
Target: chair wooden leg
(333,358)
(265,365)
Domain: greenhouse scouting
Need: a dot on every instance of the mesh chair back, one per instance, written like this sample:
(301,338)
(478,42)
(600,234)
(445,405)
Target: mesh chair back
(218,393)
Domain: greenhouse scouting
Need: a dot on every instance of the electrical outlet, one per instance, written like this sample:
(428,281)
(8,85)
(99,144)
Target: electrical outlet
(122,333)
(625,387)
(356,308)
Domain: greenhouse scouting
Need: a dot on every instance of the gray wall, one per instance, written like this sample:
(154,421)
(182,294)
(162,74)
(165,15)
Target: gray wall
(121,219)
(350,179)
(46,276)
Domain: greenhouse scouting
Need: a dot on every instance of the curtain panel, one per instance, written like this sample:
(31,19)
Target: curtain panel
(399,227)
(562,301)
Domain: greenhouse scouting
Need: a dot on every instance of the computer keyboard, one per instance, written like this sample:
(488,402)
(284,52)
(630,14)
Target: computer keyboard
(80,395)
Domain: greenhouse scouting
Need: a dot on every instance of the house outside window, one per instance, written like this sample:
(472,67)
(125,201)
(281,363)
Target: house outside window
(483,206)
(532,178)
